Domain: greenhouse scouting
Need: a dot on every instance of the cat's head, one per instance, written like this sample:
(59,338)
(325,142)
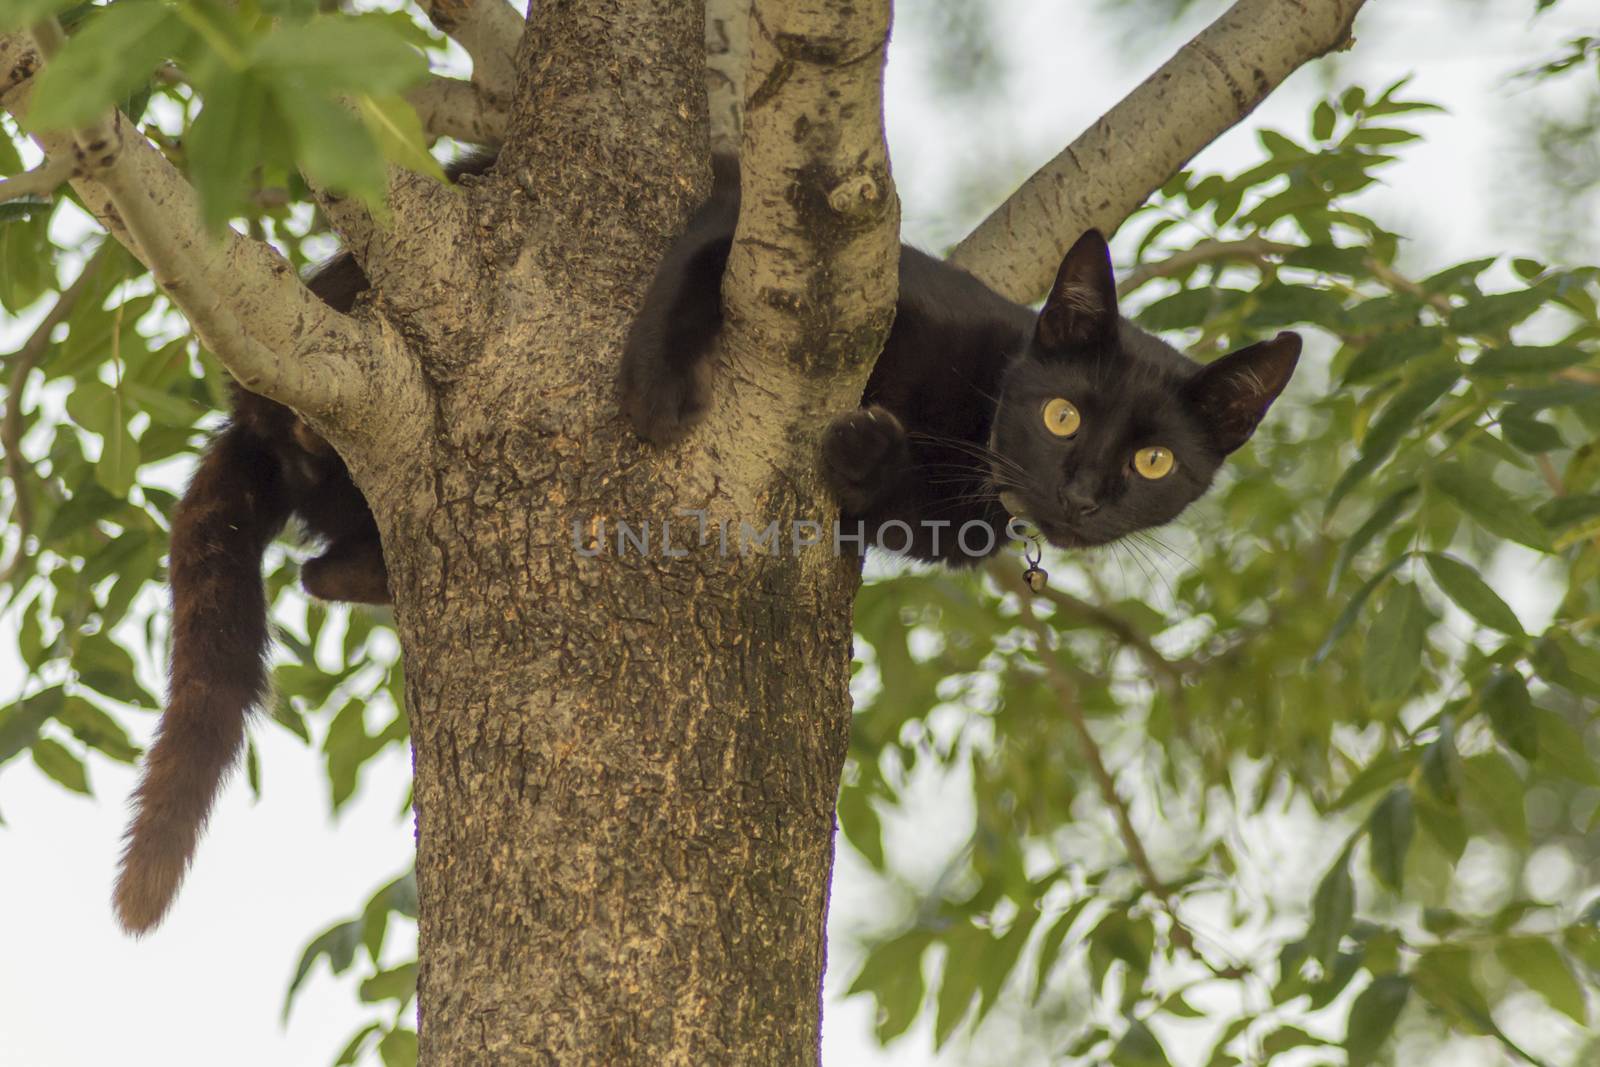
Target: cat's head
(1103,429)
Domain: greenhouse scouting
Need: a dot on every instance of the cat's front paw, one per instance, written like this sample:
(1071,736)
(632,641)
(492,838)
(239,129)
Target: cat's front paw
(663,401)
(862,455)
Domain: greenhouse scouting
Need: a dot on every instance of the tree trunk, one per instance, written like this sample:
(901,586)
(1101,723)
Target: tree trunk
(626,761)
(625,779)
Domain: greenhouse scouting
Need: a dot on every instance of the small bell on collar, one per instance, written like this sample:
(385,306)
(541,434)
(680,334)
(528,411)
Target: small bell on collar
(1032,552)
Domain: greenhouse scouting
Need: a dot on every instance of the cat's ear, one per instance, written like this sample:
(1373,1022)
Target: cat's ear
(1081,309)
(1232,394)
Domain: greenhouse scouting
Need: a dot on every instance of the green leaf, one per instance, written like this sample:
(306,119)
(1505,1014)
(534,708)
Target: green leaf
(1441,763)
(958,985)
(1188,307)
(1462,584)
(1498,312)
(1511,713)
(395,125)
(332,145)
(1138,1047)
(224,144)
(858,820)
(114,53)
(1383,516)
(1322,120)
(397,983)
(1511,360)
(1378,135)
(1401,414)
(338,943)
(399,897)
(20,722)
(1538,964)
(1388,351)
(20,14)
(892,973)
(1372,1017)
(340,54)
(1392,659)
(1444,977)
(357,1044)
(399,1048)
(1523,430)
(1000,957)
(1490,506)
(96,729)
(54,760)
(1389,830)
(1352,609)
(1568,510)
(1332,908)
(118,463)
(1050,944)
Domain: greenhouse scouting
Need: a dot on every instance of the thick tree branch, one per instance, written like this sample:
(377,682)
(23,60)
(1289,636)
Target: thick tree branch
(812,272)
(243,299)
(489,30)
(450,107)
(1214,81)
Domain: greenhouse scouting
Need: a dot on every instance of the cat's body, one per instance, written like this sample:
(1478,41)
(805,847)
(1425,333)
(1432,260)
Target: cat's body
(264,468)
(955,427)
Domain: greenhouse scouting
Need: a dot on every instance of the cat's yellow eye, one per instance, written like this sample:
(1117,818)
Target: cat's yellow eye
(1153,463)
(1061,417)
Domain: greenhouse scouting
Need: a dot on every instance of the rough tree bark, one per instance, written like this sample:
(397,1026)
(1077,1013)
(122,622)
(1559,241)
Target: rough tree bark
(626,761)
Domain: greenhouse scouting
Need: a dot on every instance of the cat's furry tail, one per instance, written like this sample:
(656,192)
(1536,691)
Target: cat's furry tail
(233,508)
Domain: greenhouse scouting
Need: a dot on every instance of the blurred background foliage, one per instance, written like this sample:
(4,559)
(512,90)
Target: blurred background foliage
(1306,780)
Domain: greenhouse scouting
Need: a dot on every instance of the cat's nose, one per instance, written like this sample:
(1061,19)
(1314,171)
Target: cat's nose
(1079,503)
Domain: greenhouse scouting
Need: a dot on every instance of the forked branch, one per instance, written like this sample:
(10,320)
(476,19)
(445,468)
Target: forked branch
(489,30)
(243,299)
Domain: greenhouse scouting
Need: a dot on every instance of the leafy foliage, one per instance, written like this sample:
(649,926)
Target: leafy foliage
(1373,659)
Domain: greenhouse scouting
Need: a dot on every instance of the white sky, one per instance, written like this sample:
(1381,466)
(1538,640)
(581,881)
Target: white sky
(207,987)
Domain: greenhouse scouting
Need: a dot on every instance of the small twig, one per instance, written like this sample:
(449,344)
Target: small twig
(1399,282)
(22,363)
(1068,694)
(41,181)
(1169,671)
(1250,248)
(1551,476)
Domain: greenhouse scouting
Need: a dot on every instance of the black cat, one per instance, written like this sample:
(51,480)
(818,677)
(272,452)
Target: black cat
(978,409)
(265,467)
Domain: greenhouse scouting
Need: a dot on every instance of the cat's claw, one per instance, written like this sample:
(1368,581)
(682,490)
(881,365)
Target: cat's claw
(663,402)
(862,454)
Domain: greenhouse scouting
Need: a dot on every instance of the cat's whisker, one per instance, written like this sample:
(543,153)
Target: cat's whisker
(1136,545)
(1151,536)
